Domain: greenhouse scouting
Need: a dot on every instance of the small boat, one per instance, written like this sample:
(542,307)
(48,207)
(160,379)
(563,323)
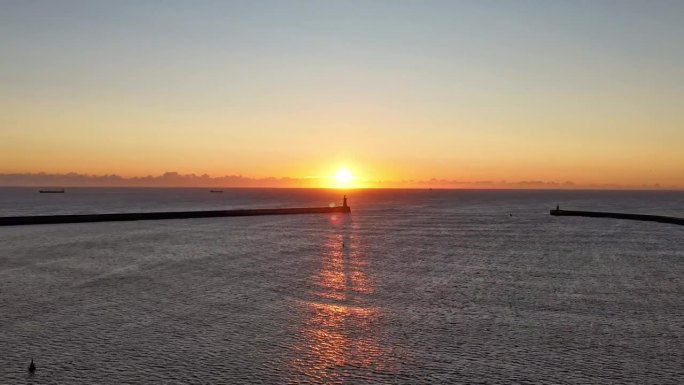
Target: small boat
(216,191)
(52,191)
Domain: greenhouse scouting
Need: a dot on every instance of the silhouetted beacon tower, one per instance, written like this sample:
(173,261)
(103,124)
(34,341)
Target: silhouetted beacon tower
(344,201)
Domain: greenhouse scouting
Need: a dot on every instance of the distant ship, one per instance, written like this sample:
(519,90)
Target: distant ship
(216,191)
(52,191)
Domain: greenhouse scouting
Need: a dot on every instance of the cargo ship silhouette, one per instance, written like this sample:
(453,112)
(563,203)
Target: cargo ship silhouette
(52,191)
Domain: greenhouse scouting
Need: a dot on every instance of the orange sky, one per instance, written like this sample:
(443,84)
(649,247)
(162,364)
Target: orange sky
(393,92)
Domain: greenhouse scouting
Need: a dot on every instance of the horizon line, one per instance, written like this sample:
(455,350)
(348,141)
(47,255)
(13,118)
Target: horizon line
(174,179)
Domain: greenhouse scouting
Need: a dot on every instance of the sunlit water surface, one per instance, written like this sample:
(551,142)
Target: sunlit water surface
(412,287)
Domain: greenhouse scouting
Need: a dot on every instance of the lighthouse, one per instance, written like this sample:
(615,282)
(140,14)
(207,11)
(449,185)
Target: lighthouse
(344,201)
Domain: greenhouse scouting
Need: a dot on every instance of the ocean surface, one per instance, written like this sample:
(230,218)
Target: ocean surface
(414,287)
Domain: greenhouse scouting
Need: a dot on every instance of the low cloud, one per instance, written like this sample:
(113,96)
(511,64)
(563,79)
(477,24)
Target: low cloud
(168,179)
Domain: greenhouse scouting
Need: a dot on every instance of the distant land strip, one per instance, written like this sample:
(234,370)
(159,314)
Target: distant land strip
(636,217)
(84,218)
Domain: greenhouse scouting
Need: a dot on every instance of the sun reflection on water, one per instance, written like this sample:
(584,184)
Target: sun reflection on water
(340,328)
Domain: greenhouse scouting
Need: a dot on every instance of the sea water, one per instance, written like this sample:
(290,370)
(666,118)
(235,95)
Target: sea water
(415,286)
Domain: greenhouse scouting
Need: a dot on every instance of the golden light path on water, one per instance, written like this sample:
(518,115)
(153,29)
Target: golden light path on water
(339,332)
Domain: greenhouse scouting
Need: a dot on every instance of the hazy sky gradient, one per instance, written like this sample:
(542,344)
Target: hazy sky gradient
(588,91)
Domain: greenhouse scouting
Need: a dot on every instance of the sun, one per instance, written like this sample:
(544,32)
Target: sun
(343,177)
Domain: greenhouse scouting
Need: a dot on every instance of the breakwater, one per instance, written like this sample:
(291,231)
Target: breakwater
(118,217)
(635,217)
